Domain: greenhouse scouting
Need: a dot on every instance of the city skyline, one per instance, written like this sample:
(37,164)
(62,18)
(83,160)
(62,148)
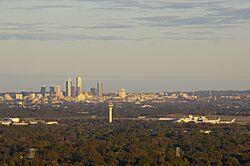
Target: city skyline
(167,44)
(91,82)
(124,82)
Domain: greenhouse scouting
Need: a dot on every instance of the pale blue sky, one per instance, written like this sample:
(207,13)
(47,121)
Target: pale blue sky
(139,45)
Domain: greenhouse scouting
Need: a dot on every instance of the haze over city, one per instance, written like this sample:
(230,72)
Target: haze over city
(124,82)
(139,45)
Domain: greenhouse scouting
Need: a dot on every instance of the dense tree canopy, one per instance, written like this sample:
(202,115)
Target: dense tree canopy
(95,142)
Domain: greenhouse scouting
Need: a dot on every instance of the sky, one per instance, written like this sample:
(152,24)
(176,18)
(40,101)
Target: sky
(139,45)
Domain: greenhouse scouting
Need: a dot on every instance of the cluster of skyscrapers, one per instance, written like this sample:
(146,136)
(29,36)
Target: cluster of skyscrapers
(72,90)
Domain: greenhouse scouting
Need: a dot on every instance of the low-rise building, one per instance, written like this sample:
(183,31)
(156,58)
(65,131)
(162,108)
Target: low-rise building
(15,120)
(19,96)
(52,123)
(5,122)
(20,124)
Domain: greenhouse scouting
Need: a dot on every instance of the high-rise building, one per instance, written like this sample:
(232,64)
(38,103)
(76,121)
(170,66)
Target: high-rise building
(68,87)
(43,90)
(93,91)
(58,90)
(99,89)
(52,90)
(73,91)
(79,86)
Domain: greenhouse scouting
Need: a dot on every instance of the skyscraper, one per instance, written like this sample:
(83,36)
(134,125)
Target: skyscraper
(79,87)
(99,89)
(52,90)
(68,87)
(93,91)
(58,90)
(43,90)
(73,91)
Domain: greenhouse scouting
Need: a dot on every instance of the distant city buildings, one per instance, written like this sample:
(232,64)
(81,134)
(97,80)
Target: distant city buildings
(79,85)
(52,90)
(93,91)
(95,95)
(74,92)
(43,90)
(7,97)
(19,96)
(68,87)
(100,89)
(58,90)
(122,94)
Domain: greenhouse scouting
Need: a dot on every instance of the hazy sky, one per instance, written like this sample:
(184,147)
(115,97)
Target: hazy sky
(139,45)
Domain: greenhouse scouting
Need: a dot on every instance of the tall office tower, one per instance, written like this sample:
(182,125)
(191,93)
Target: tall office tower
(52,90)
(43,90)
(99,89)
(93,91)
(58,90)
(68,87)
(79,87)
(73,91)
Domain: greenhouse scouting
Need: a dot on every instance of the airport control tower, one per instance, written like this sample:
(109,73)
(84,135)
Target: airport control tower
(110,112)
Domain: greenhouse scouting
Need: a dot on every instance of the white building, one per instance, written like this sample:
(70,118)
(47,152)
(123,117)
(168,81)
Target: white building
(58,90)
(19,96)
(52,123)
(79,86)
(122,94)
(5,122)
(15,120)
(7,97)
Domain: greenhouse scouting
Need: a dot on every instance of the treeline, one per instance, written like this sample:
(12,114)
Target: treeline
(124,143)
